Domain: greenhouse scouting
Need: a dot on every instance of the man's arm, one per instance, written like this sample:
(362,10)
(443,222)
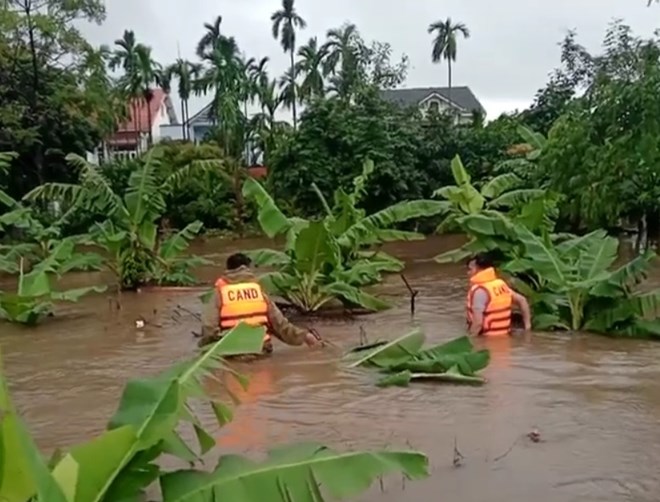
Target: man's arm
(210,320)
(522,303)
(282,328)
(479,304)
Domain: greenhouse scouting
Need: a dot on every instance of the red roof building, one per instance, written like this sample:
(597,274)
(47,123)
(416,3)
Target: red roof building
(133,134)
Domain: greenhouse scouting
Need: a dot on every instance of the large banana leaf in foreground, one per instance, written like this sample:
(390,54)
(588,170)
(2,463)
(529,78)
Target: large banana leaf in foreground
(304,472)
(121,463)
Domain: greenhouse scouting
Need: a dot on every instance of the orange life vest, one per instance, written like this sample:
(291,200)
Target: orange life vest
(242,302)
(497,315)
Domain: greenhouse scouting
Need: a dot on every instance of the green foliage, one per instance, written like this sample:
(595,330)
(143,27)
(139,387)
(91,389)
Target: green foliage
(48,105)
(573,285)
(130,236)
(122,462)
(328,259)
(405,360)
(488,216)
(34,296)
(602,153)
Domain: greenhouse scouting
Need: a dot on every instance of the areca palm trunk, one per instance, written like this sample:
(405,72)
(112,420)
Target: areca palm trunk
(186,121)
(149,120)
(183,119)
(293,105)
(449,79)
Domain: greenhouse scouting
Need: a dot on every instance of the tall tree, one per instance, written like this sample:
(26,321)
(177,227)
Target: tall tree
(285,22)
(445,42)
(185,72)
(210,39)
(223,76)
(310,66)
(42,40)
(342,61)
(125,56)
(149,75)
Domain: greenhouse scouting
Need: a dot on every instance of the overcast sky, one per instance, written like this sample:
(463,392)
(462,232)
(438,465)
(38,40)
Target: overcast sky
(512,48)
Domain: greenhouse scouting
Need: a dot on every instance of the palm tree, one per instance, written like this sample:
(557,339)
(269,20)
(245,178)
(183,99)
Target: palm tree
(126,56)
(149,73)
(223,76)
(445,41)
(186,73)
(342,58)
(209,40)
(288,89)
(310,66)
(285,21)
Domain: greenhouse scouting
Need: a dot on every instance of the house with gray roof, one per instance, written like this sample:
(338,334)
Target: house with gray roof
(460,101)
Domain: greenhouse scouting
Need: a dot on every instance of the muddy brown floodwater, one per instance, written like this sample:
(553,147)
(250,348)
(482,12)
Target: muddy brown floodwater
(595,401)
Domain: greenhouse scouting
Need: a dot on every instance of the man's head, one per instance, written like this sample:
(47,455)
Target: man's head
(238,260)
(478,263)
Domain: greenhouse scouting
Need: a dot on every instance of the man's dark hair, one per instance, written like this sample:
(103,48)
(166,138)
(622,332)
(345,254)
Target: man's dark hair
(482,260)
(238,260)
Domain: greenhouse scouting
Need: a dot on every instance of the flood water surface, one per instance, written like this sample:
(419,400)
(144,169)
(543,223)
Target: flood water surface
(594,401)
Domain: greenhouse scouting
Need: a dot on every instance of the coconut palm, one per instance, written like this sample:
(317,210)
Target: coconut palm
(310,65)
(445,42)
(285,21)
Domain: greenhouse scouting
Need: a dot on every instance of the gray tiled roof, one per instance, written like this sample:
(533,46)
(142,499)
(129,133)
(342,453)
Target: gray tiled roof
(462,96)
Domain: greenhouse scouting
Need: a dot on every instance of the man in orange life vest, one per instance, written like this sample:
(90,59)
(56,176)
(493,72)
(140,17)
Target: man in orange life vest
(239,297)
(490,300)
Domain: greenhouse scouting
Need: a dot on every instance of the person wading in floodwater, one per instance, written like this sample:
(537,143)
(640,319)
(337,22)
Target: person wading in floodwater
(239,297)
(490,300)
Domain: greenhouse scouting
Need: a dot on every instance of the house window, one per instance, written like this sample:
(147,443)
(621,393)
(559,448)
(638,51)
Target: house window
(434,106)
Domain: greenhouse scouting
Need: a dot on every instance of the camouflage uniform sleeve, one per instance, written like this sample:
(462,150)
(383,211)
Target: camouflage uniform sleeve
(210,320)
(282,328)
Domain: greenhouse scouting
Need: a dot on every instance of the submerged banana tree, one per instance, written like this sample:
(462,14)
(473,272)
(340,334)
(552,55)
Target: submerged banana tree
(35,242)
(123,462)
(136,254)
(504,192)
(485,214)
(34,297)
(573,285)
(333,258)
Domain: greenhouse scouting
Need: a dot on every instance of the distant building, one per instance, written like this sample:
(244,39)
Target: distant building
(463,103)
(198,127)
(132,136)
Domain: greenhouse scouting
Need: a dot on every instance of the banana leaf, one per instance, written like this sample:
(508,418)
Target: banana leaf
(396,351)
(453,375)
(308,471)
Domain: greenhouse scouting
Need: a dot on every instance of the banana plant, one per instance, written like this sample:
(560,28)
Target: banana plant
(335,257)
(504,193)
(34,297)
(37,241)
(573,285)
(123,462)
(137,254)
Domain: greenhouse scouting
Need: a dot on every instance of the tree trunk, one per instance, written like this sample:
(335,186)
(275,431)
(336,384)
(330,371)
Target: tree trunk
(187,122)
(149,120)
(183,119)
(134,124)
(245,136)
(38,155)
(293,84)
(449,78)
